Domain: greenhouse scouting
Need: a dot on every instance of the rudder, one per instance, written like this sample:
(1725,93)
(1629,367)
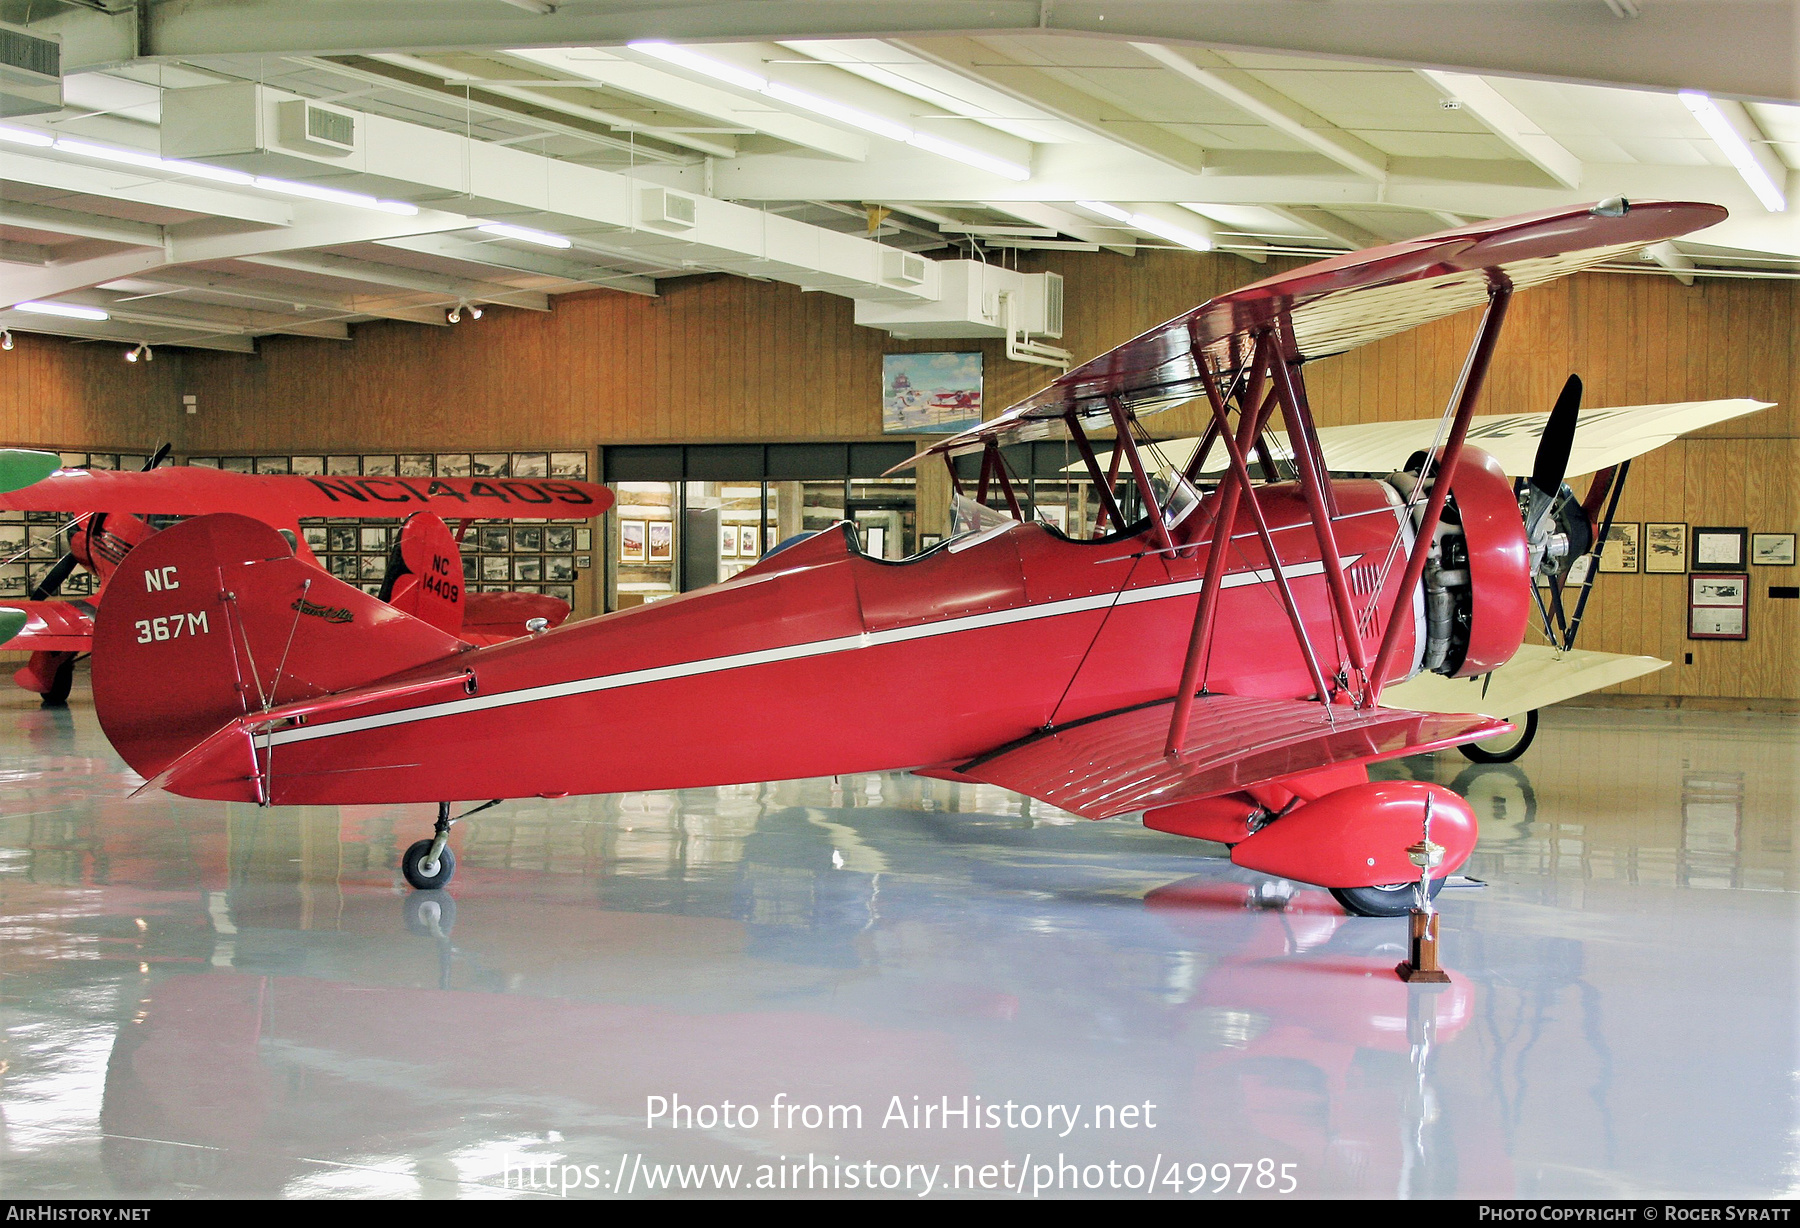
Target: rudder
(215,618)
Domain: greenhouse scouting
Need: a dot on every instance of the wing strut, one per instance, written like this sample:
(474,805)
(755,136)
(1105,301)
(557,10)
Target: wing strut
(1468,391)
(1107,504)
(1125,443)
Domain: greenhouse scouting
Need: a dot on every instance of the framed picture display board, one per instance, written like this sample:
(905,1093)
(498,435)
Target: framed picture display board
(1621,550)
(1772,549)
(1665,548)
(1719,547)
(1718,606)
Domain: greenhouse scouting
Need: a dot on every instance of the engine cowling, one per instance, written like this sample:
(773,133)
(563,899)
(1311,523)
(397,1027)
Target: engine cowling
(1477,577)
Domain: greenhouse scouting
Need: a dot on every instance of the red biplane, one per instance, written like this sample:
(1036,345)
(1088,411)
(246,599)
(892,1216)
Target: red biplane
(121,510)
(1217,664)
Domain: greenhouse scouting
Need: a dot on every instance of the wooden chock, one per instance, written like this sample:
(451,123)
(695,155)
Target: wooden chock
(1421,965)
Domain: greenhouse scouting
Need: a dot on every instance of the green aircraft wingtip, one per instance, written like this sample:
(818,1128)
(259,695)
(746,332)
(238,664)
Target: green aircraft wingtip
(20,467)
(11,623)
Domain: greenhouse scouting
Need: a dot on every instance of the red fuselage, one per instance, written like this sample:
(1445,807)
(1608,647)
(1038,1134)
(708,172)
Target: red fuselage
(819,661)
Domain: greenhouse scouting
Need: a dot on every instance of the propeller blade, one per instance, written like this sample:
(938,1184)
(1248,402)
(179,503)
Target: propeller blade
(1552,459)
(53,579)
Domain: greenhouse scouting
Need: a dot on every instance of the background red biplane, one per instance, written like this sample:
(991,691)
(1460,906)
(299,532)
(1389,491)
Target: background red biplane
(112,512)
(1218,664)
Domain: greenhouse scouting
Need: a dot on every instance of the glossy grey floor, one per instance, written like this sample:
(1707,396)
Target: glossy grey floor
(200,999)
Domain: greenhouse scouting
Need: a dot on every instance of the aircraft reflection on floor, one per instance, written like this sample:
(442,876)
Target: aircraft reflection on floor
(238,1001)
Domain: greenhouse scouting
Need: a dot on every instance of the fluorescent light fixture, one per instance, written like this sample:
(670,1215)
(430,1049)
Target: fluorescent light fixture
(1105,210)
(970,157)
(1150,225)
(70,310)
(718,70)
(25,136)
(137,157)
(838,111)
(881,126)
(525,234)
(1729,139)
(336,196)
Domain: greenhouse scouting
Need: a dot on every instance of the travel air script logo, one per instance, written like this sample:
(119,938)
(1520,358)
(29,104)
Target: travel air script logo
(339,615)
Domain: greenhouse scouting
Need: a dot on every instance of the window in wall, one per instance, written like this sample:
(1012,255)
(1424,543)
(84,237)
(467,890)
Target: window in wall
(642,542)
(885,512)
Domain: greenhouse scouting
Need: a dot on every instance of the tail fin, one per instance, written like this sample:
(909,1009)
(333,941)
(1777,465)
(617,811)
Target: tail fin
(214,619)
(425,575)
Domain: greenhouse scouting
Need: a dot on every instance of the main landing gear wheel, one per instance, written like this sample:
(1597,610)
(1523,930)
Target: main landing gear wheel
(1392,901)
(1506,747)
(61,683)
(424,871)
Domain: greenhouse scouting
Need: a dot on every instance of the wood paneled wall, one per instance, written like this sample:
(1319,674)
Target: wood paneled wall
(717,358)
(58,393)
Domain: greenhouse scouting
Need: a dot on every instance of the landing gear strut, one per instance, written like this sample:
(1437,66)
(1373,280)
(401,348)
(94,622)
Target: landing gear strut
(428,864)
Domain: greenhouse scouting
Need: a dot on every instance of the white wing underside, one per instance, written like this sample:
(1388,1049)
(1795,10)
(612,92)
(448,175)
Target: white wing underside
(1603,437)
(1536,677)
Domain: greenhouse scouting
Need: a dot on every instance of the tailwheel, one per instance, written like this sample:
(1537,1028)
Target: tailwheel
(1395,900)
(1507,746)
(424,869)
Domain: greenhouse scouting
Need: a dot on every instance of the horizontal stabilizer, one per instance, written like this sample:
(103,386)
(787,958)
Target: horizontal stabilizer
(48,626)
(1114,764)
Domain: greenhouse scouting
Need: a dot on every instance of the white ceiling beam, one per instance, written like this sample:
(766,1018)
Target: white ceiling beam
(1520,132)
(315,224)
(1672,259)
(1030,84)
(421,85)
(55,280)
(129,334)
(143,188)
(1674,46)
(374,273)
(1067,222)
(1328,226)
(1252,96)
(667,89)
(18,251)
(80,225)
(263,290)
(452,247)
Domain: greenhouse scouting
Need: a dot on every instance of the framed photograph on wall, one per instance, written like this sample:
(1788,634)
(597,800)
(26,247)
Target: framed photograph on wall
(379,466)
(631,541)
(584,539)
(415,465)
(748,547)
(559,567)
(531,569)
(273,464)
(489,465)
(343,466)
(528,538)
(1665,548)
(1718,606)
(374,538)
(530,465)
(1715,546)
(373,567)
(930,393)
(453,465)
(318,538)
(309,466)
(728,541)
(662,541)
(1772,549)
(568,465)
(496,567)
(1620,552)
(559,539)
(494,538)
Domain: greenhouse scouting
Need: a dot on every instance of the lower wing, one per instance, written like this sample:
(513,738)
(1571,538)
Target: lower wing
(53,626)
(1114,764)
(1536,677)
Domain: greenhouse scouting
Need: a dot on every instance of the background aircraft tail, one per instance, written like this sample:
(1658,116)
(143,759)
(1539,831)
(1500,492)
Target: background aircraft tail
(214,619)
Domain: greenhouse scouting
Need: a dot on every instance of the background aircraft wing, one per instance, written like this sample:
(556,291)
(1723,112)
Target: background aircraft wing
(1114,764)
(1536,677)
(184,490)
(1335,305)
(53,626)
(1603,437)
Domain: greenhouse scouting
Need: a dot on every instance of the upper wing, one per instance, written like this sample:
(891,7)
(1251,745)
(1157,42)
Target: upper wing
(1536,677)
(1335,305)
(1603,437)
(1114,764)
(185,490)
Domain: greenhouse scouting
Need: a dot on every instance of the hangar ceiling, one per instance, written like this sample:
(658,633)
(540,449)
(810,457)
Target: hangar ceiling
(168,193)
